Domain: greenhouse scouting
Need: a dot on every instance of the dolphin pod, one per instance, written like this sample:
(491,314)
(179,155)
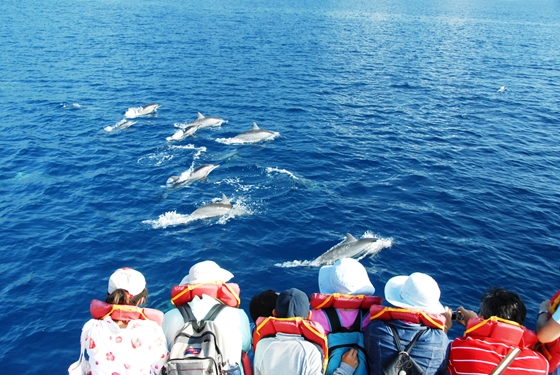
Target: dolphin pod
(212,210)
(349,248)
(189,176)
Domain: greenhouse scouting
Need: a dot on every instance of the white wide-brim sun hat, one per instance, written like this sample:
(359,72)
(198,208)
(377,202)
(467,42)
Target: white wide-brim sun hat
(206,272)
(417,291)
(345,276)
(127,279)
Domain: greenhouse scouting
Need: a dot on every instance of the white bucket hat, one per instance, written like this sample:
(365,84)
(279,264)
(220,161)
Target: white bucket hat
(418,291)
(346,276)
(128,279)
(206,272)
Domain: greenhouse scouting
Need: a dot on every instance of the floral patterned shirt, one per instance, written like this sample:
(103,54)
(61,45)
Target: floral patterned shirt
(138,349)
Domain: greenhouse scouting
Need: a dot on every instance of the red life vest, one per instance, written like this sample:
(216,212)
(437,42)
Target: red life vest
(413,316)
(486,342)
(227,293)
(343,301)
(101,310)
(551,350)
(311,331)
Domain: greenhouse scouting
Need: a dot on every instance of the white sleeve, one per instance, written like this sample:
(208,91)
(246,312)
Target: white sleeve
(245,329)
(315,361)
(172,322)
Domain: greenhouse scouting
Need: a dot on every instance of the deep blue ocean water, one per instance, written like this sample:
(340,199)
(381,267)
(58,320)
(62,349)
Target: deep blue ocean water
(391,123)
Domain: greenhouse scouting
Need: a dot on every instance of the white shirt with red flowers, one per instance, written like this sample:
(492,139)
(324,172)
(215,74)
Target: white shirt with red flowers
(138,349)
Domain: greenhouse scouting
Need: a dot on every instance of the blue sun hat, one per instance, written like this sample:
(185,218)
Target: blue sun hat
(345,276)
(417,291)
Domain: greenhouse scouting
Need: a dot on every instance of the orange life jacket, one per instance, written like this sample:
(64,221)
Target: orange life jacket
(311,331)
(101,310)
(551,350)
(506,331)
(487,341)
(227,293)
(343,301)
(414,316)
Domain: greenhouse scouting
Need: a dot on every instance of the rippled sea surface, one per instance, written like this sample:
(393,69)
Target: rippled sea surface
(433,125)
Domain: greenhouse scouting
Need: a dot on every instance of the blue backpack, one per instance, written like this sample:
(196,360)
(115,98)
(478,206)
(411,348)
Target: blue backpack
(342,339)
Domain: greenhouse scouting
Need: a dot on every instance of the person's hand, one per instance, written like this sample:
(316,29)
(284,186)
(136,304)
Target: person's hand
(545,305)
(448,313)
(351,358)
(464,315)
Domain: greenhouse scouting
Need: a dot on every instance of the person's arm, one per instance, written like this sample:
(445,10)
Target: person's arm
(245,330)
(448,313)
(172,322)
(349,363)
(548,329)
(464,315)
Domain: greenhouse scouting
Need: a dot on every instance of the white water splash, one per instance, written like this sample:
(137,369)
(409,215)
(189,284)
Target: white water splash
(371,250)
(141,111)
(269,170)
(123,124)
(73,105)
(156,159)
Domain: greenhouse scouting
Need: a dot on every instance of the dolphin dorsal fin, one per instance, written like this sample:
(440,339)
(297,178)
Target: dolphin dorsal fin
(224,199)
(200,115)
(255,126)
(350,238)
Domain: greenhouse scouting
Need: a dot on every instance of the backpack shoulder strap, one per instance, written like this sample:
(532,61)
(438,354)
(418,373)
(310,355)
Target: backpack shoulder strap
(336,325)
(213,312)
(410,344)
(334,319)
(414,339)
(396,338)
(187,313)
(357,326)
(188,316)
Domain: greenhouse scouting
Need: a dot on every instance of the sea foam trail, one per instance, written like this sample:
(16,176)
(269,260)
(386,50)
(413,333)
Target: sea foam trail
(371,250)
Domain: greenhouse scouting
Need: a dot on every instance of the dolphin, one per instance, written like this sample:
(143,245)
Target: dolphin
(181,134)
(254,135)
(212,210)
(123,124)
(189,176)
(347,249)
(142,111)
(203,122)
(502,89)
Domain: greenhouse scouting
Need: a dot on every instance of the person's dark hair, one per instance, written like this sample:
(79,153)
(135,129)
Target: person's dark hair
(262,304)
(122,297)
(504,304)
